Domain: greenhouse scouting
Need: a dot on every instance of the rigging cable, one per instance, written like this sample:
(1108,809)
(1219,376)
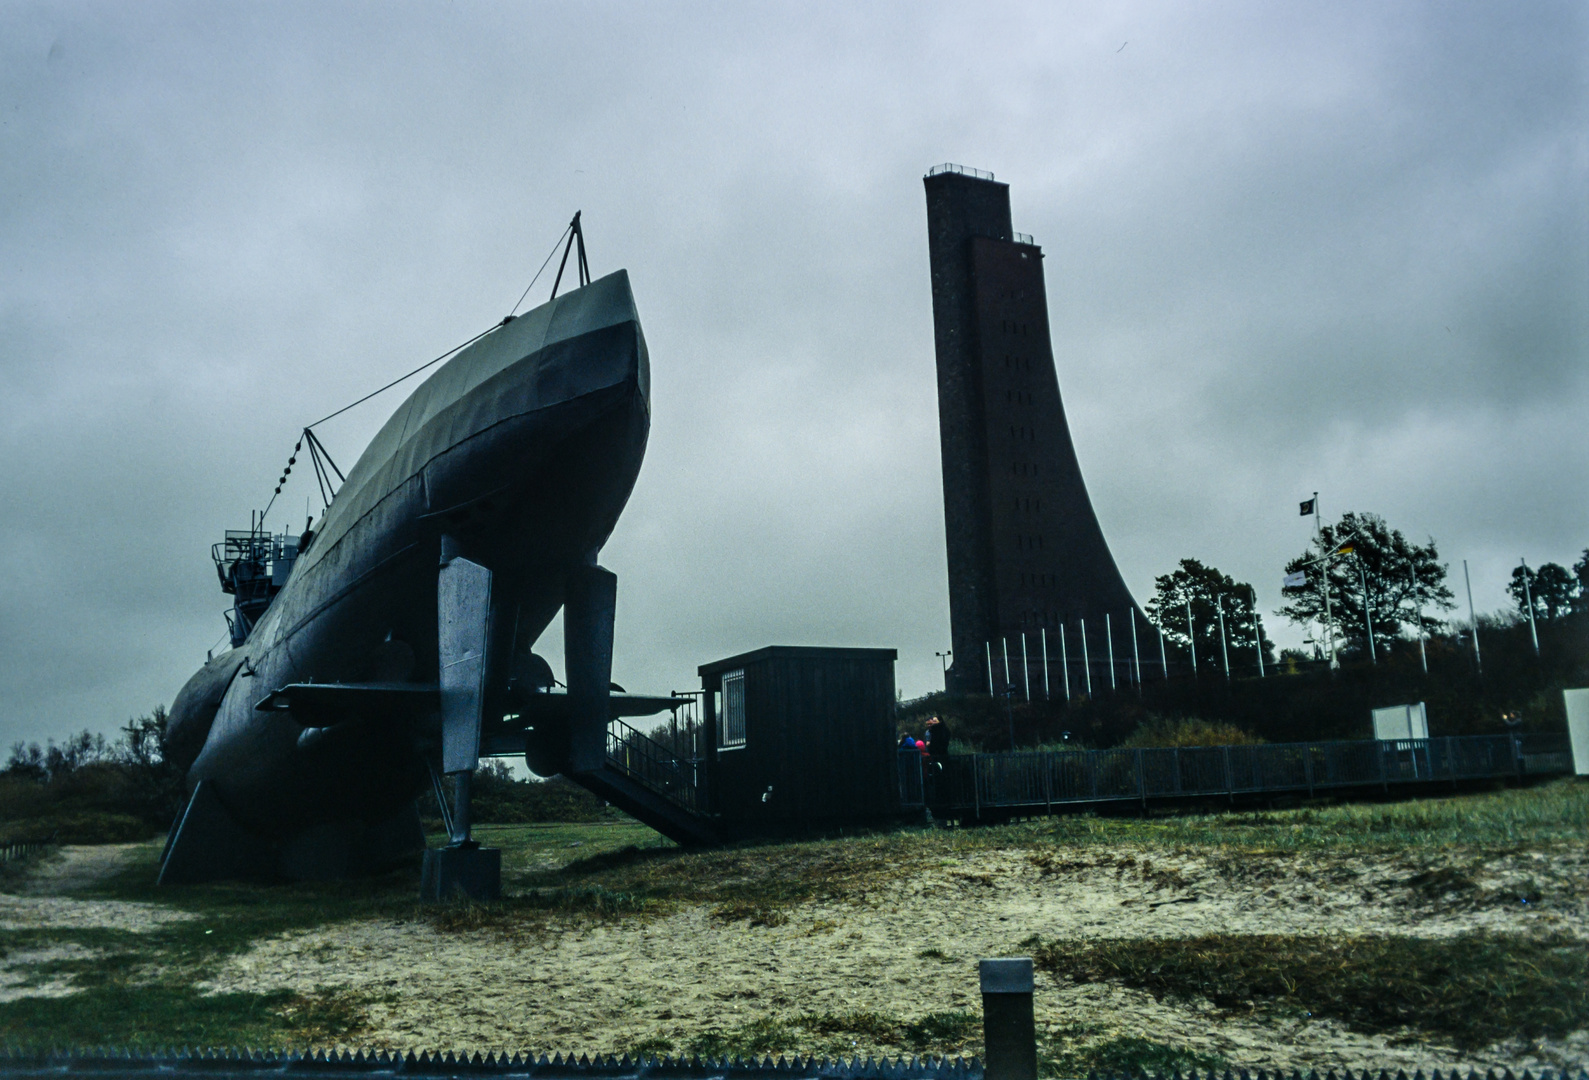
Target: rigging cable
(542,270)
(317,449)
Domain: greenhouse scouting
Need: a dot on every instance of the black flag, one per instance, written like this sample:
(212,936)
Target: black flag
(1307,505)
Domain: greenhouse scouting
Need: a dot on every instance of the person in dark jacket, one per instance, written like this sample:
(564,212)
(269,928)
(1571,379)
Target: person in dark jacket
(936,753)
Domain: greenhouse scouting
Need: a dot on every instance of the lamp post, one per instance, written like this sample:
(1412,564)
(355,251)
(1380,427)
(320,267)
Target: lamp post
(1324,580)
(944,657)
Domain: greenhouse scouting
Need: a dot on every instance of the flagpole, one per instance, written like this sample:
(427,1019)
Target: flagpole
(1368,618)
(1417,606)
(1026,667)
(1109,636)
(1136,653)
(1064,659)
(1191,636)
(1164,661)
(1257,629)
(1474,619)
(1528,598)
(1005,642)
(1086,660)
(1044,632)
(1219,602)
(989,646)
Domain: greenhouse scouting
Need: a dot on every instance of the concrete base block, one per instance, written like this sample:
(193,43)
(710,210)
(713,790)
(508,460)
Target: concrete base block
(461,873)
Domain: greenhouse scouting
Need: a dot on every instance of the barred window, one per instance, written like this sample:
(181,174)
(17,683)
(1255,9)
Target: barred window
(731,732)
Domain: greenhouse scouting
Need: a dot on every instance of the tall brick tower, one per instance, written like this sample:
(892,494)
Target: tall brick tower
(1026,553)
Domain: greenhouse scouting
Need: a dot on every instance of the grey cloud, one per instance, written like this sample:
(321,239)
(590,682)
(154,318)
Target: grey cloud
(1288,249)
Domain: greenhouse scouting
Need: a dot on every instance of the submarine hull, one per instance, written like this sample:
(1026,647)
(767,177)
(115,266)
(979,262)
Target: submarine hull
(523,450)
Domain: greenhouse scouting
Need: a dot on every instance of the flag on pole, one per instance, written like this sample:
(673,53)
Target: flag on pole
(1307,506)
(1345,549)
(1294,581)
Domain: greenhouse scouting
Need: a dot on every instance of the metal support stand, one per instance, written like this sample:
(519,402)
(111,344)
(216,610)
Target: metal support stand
(589,607)
(463,613)
(1009,1029)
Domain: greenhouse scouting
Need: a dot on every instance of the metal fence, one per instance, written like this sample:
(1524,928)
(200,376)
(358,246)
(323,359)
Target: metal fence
(24,849)
(321,1065)
(1043,779)
(255,1064)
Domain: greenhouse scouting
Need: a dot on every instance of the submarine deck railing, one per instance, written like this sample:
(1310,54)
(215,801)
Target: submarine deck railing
(652,765)
(1040,780)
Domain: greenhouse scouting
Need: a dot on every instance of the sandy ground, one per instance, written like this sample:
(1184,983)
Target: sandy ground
(590,986)
(38,901)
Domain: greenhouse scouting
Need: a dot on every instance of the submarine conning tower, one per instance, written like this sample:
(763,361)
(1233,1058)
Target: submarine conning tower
(1028,561)
(253,566)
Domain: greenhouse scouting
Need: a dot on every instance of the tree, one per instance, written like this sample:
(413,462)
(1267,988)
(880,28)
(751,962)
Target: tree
(1580,570)
(1207,590)
(1401,578)
(1552,589)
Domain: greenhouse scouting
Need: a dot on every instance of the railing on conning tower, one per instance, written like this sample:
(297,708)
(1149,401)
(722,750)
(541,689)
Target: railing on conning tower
(1025,238)
(253,566)
(963,170)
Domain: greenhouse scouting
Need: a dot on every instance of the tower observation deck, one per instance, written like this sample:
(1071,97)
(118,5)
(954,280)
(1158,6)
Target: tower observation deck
(1025,550)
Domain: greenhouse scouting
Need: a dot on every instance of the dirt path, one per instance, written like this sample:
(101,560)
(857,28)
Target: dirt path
(41,898)
(910,948)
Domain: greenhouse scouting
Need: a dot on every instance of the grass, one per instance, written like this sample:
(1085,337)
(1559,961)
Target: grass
(760,882)
(152,1016)
(1127,1055)
(938,1034)
(1474,989)
(138,989)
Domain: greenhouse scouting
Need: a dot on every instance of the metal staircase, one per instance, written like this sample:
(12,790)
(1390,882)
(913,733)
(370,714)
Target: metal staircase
(649,781)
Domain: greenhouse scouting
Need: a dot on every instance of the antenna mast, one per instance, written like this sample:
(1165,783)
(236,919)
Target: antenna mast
(582,268)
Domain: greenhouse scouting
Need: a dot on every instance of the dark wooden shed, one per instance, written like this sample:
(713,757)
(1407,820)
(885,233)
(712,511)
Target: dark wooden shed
(800,737)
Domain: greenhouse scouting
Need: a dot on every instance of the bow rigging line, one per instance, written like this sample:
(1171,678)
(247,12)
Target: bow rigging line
(320,459)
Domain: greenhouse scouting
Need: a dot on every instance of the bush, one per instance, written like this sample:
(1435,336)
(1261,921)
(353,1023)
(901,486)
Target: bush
(88,790)
(1189,731)
(77,827)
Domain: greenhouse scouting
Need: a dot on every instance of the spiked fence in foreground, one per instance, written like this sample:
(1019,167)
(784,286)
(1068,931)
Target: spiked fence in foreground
(254,1065)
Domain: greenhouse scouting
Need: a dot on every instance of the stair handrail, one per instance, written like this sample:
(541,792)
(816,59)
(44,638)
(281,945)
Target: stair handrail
(651,764)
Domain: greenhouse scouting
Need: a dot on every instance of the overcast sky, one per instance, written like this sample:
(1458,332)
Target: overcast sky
(1336,247)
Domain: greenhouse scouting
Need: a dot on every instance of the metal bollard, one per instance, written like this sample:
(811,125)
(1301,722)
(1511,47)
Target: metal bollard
(1009,1032)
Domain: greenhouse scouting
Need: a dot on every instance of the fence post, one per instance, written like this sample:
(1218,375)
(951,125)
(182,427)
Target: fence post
(1142,782)
(1009,1029)
(1307,766)
(1230,781)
